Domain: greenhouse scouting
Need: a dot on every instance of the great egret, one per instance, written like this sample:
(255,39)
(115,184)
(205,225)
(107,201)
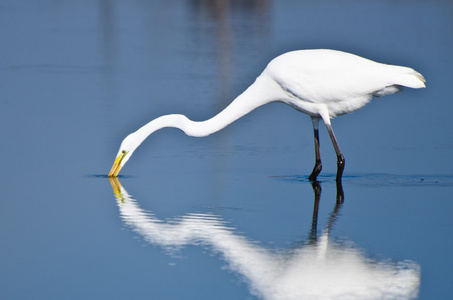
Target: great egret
(321,83)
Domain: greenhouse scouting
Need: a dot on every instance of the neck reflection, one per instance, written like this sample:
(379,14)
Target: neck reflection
(316,269)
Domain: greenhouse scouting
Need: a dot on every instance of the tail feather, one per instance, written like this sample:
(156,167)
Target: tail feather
(411,78)
(400,77)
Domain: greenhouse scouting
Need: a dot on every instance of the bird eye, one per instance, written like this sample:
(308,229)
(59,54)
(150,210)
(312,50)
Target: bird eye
(124,151)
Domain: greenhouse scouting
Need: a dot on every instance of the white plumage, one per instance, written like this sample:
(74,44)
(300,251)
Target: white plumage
(343,82)
(321,83)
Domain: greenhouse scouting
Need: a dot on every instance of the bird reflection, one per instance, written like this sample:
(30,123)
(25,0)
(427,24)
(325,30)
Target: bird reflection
(316,269)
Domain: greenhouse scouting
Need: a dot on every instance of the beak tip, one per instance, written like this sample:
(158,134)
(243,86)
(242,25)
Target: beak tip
(114,171)
(116,165)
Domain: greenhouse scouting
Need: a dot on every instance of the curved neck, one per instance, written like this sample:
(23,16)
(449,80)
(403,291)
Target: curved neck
(261,92)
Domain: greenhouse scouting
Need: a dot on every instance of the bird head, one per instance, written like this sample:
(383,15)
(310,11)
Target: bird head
(128,146)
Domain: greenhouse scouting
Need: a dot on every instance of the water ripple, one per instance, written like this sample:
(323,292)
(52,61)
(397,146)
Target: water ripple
(376,179)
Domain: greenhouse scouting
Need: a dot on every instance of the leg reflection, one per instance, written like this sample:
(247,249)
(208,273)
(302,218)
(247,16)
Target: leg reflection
(316,185)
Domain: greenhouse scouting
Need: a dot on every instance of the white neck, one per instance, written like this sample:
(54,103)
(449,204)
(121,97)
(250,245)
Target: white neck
(264,90)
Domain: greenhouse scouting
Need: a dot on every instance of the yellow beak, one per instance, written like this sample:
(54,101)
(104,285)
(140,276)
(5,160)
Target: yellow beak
(117,165)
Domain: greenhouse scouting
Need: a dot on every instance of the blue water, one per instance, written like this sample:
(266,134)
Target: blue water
(232,215)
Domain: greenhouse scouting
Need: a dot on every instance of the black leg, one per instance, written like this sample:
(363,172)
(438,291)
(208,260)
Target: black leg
(318,166)
(340,157)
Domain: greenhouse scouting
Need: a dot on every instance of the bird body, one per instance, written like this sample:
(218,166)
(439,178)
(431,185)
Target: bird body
(321,83)
(340,81)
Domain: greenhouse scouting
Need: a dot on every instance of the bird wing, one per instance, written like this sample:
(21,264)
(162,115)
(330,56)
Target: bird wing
(325,76)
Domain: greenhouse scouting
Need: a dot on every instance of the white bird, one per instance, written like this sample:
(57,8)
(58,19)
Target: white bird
(321,83)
